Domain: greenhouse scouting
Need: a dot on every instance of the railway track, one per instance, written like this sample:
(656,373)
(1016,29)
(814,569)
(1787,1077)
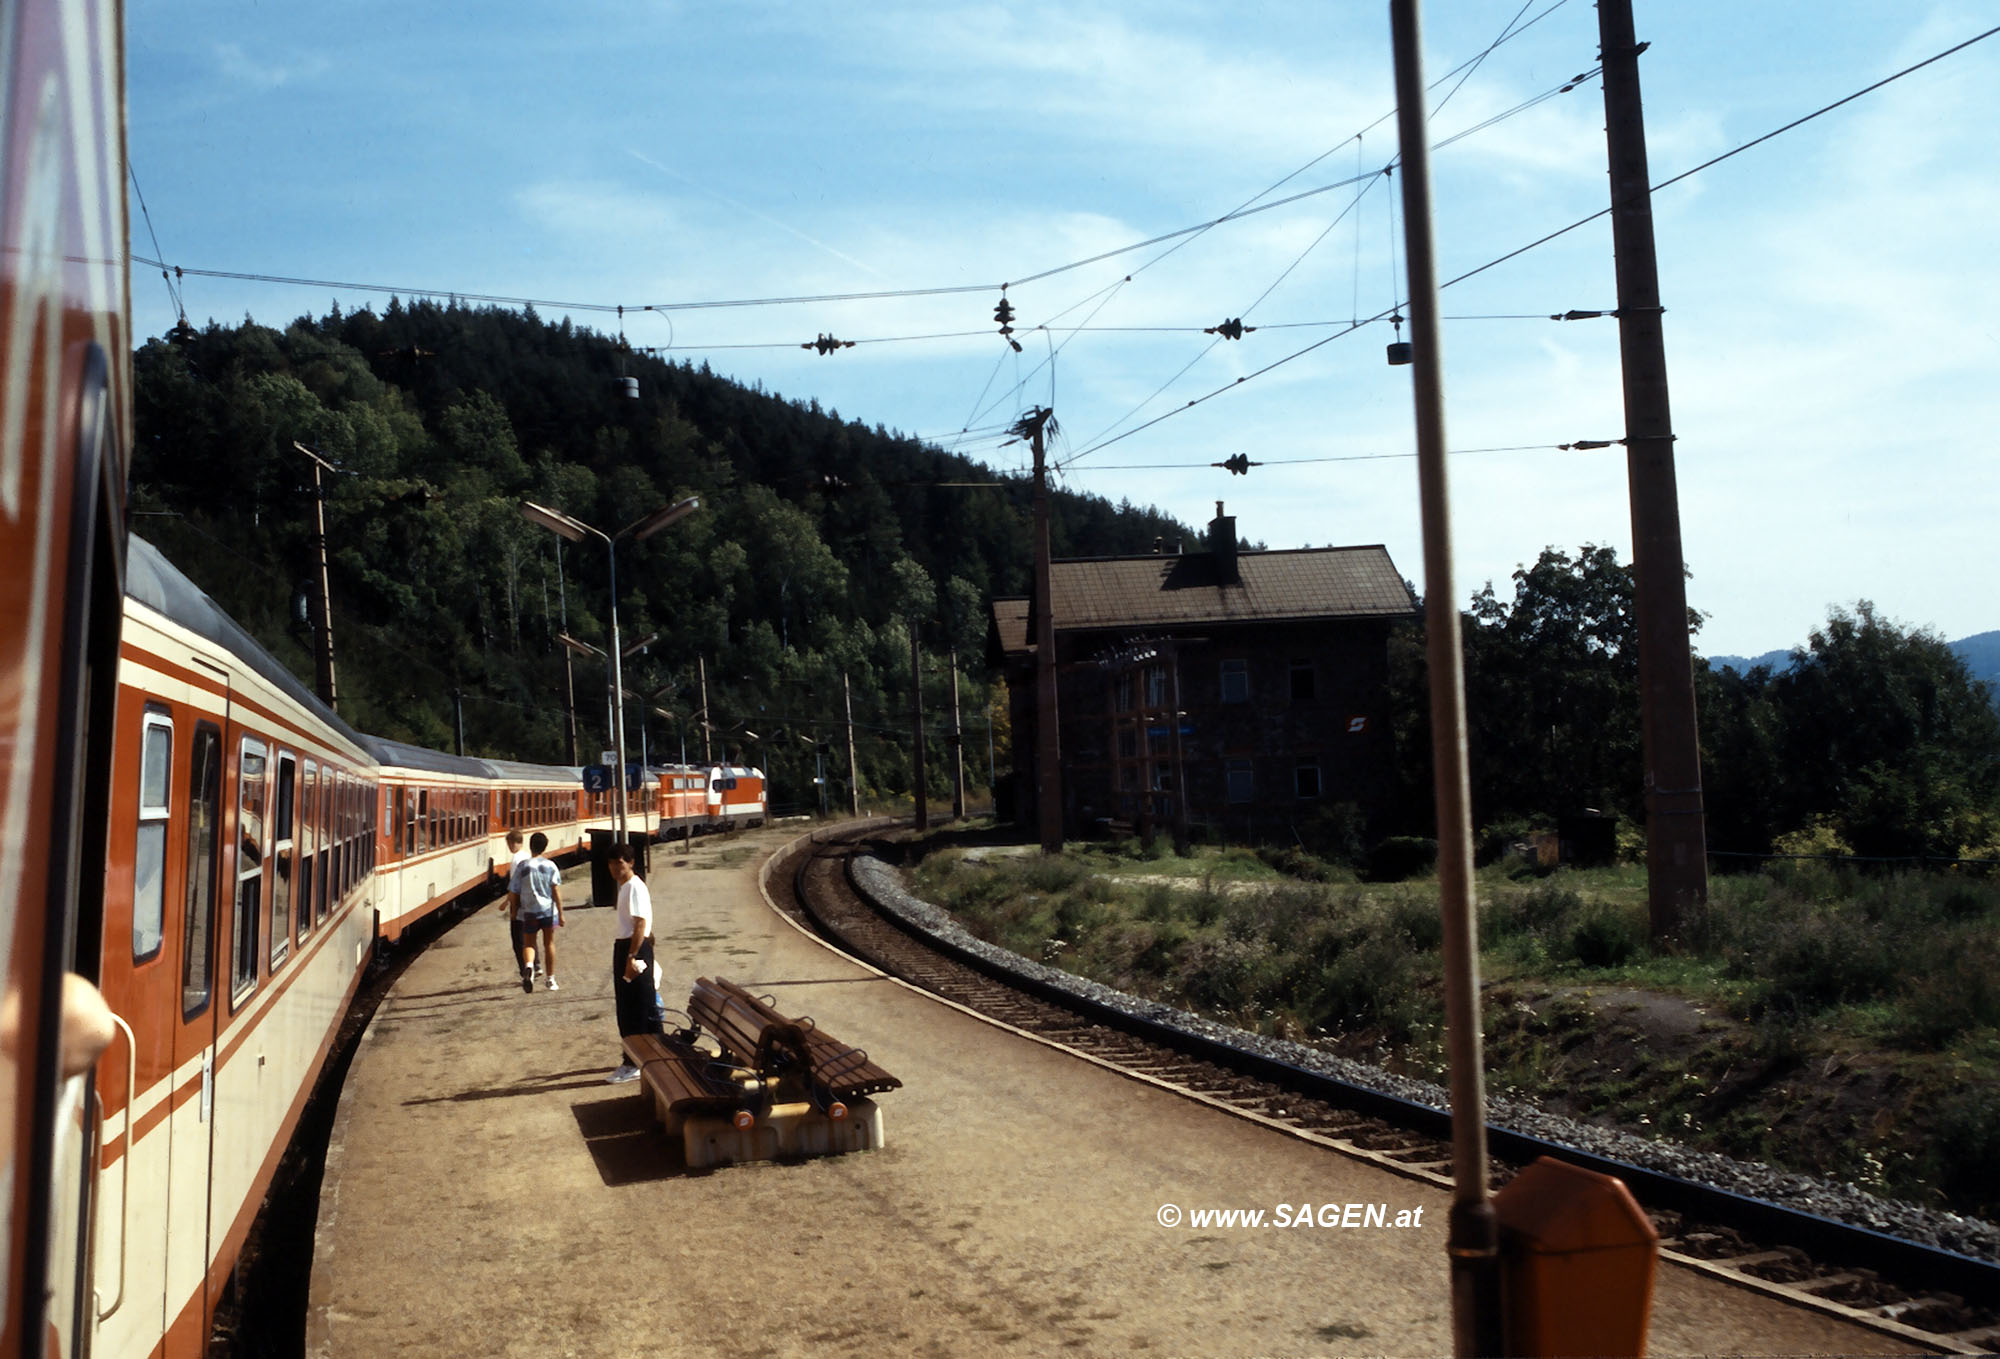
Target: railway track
(1940,1300)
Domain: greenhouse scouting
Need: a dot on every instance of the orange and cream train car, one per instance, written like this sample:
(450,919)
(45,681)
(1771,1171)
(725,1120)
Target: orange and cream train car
(65,432)
(259,850)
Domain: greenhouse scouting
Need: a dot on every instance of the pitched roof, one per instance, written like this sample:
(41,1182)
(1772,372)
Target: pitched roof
(1158,591)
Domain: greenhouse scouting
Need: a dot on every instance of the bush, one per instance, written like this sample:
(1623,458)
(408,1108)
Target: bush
(1420,921)
(1050,874)
(1294,862)
(1605,935)
(1337,833)
(1812,956)
(1496,841)
(1967,1148)
(1371,983)
(1401,857)
(1951,986)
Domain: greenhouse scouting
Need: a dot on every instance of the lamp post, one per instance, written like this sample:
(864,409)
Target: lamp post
(575,530)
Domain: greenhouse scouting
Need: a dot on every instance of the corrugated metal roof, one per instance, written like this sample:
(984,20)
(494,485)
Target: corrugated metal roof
(1157,591)
(1325,582)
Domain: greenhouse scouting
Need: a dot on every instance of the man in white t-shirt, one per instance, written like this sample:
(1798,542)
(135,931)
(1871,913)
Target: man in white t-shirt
(637,1000)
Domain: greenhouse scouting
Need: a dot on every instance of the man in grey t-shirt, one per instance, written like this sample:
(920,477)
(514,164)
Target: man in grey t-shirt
(537,885)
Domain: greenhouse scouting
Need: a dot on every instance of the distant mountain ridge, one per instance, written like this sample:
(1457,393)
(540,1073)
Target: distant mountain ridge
(1980,652)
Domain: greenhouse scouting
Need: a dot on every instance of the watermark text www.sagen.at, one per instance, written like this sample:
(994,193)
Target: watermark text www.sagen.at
(1289,1215)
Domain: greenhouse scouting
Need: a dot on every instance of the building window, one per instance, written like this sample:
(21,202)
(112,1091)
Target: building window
(1305,780)
(1156,686)
(1121,693)
(1303,690)
(1236,681)
(1242,781)
(1128,742)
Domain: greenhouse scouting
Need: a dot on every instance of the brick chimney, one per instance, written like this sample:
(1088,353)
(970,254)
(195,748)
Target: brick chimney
(1222,542)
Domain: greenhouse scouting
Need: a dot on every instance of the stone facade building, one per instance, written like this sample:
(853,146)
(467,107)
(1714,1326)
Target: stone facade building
(1242,691)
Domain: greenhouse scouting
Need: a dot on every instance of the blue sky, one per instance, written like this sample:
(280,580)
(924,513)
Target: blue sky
(1831,295)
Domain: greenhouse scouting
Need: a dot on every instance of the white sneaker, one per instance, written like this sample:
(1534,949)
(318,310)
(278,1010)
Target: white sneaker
(552,984)
(625,1072)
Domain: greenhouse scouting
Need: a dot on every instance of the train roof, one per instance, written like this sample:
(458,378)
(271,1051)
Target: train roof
(403,755)
(152,580)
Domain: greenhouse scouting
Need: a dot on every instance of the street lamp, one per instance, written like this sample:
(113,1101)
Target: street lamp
(575,530)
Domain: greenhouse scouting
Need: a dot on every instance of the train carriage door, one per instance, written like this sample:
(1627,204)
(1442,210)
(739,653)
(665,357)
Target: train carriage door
(191,950)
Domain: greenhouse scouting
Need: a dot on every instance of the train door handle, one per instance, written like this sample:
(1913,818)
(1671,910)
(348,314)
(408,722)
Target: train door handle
(125,1162)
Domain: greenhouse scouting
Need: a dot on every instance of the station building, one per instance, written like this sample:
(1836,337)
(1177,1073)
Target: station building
(1238,691)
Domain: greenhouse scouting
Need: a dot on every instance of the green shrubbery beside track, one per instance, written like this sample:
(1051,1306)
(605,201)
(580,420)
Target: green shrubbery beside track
(1831,1016)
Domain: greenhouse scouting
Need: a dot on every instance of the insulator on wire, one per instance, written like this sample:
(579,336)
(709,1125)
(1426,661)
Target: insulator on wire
(1238,464)
(1232,329)
(826,344)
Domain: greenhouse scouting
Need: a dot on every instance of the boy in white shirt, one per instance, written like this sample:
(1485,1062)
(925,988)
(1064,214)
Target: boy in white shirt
(638,1002)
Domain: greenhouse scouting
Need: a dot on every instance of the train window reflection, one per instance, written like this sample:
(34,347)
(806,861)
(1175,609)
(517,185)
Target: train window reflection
(281,858)
(149,858)
(204,823)
(307,844)
(251,771)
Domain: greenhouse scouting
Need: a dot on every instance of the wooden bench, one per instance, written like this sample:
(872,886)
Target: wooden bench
(792,1052)
(681,1080)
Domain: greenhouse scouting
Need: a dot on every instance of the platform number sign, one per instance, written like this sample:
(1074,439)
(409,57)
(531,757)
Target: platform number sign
(596,778)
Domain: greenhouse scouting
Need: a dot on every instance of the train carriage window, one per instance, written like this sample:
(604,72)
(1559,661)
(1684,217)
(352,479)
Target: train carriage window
(323,846)
(346,854)
(251,769)
(283,818)
(149,858)
(421,837)
(204,822)
(352,791)
(308,845)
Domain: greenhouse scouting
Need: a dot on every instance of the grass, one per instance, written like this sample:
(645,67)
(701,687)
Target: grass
(1813,1016)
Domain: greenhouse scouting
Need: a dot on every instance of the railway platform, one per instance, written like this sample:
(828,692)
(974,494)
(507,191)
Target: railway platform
(487,1194)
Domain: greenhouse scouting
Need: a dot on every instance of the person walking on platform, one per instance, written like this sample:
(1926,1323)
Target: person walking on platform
(511,904)
(537,888)
(638,1000)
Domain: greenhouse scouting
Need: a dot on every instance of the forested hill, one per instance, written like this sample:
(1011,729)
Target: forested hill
(817,537)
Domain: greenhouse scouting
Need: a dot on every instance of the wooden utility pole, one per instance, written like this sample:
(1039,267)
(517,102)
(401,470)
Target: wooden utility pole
(1676,839)
(853,782)
(919,773)
(1473,1235)
(323,601)
(701,663)
(957,746)
(569,658)
(1048,781)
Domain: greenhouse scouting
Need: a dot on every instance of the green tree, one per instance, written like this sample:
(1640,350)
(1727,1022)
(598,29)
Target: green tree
(1886,732)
